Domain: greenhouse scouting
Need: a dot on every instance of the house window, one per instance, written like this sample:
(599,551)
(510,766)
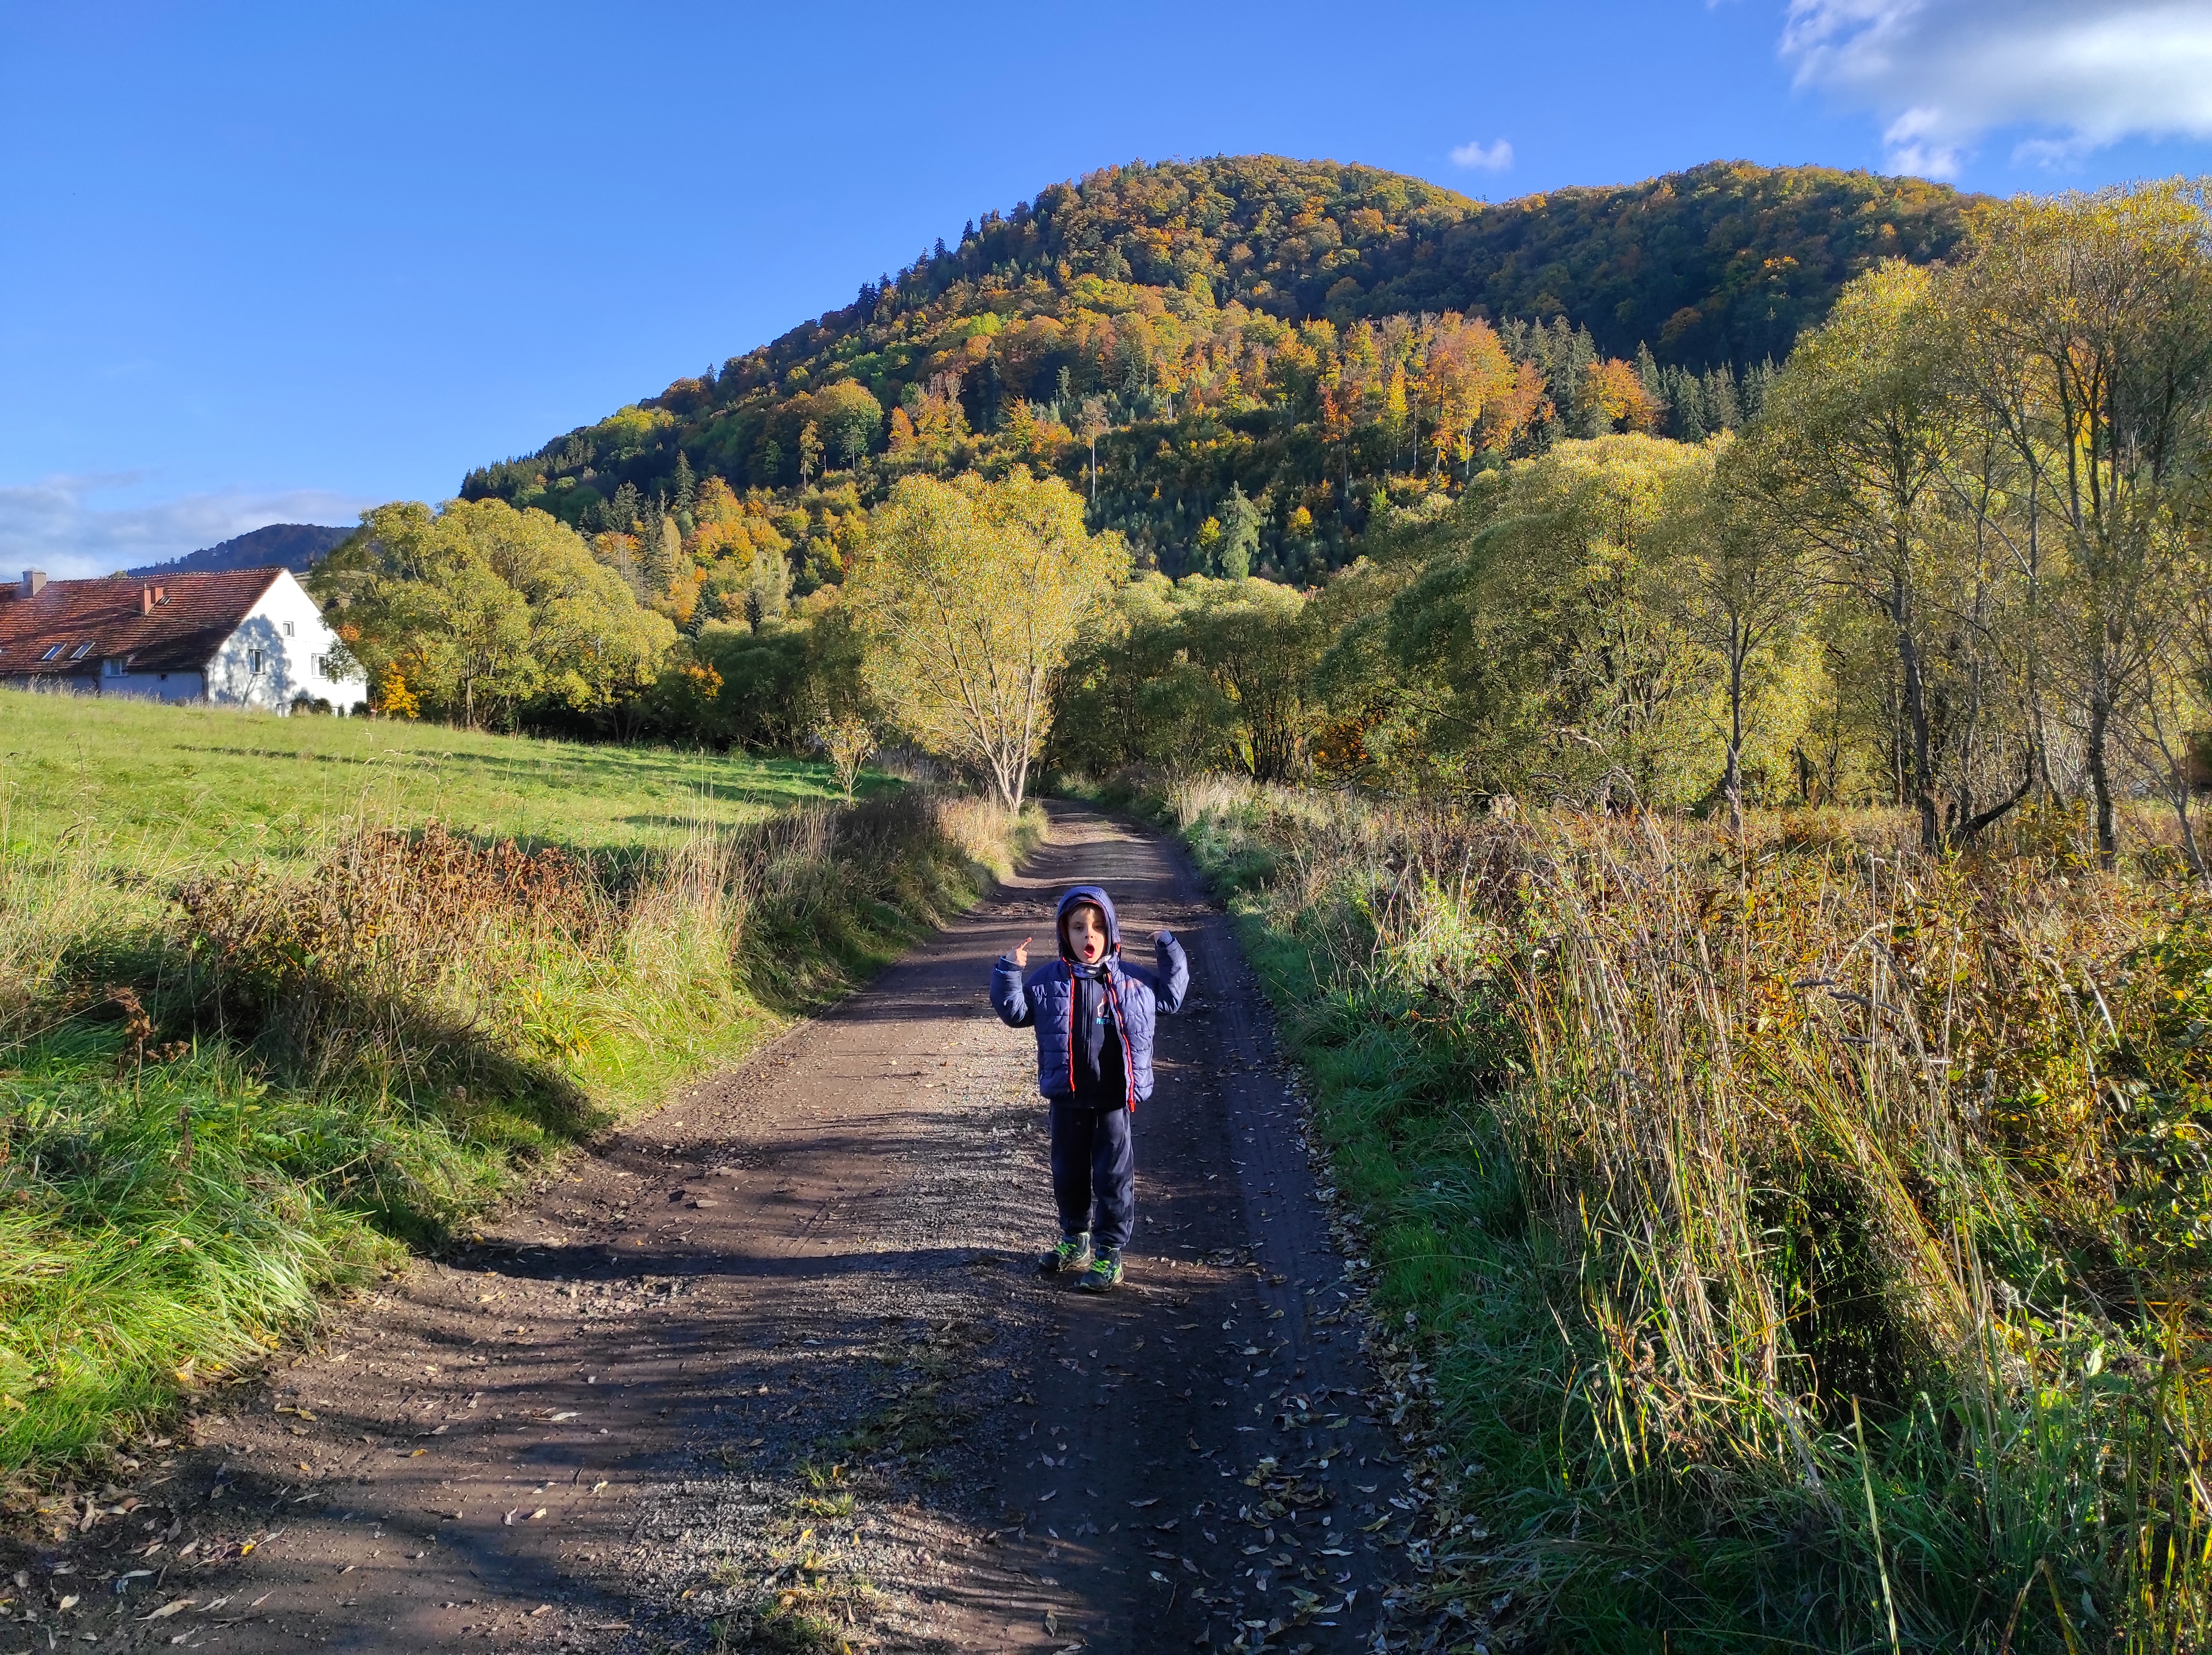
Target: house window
(83,649)
(56,650)
(287,628)
(114,666)
(253,662)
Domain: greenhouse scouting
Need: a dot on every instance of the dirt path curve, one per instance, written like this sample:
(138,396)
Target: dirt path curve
(779,1349)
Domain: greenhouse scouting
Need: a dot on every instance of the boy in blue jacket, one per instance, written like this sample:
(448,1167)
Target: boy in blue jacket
(1094,1018)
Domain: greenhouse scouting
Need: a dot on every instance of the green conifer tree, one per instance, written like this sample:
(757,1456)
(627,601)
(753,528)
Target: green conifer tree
(1240,535)
(1687,423)
(1723,410)
(1648,371)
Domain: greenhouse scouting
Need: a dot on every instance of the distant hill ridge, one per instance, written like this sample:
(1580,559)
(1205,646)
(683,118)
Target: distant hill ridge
(297,546)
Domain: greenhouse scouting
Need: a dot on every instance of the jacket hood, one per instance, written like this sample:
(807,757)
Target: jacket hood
(1095,896)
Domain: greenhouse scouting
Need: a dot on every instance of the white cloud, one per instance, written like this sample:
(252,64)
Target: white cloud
(1943,73)
(53,525)
(1490,157)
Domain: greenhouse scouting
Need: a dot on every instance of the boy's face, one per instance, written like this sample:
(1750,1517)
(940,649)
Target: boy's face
(1087,933)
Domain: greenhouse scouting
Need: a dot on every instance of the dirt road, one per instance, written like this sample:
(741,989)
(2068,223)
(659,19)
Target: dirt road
(778,1351)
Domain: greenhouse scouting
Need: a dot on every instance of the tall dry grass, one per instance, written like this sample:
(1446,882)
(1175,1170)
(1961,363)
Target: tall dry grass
(1868,1196)
(225,1090)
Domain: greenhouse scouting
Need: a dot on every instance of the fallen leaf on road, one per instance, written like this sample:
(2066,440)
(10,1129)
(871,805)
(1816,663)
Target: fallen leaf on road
(1141,1504)
(173,1606)
(542,1609)
(1048,1495)
(557,1418)
(539,1512)
(1051,1622)
(68,1601)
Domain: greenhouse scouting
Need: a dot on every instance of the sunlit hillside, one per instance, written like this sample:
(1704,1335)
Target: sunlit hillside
(1290,331)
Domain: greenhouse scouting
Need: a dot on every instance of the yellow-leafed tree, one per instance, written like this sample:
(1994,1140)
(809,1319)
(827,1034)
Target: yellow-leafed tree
(970,595)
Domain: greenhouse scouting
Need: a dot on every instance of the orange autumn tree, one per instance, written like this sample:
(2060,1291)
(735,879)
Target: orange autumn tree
(1466,369)
(1526,403)
(1617,391)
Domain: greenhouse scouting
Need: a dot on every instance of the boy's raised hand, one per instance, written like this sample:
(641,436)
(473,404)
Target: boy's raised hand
(1022,953)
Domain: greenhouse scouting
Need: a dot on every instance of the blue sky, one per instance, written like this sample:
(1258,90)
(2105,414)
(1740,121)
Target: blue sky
(268,263)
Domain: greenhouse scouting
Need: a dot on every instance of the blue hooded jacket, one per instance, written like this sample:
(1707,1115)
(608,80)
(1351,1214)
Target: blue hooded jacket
(1048,998)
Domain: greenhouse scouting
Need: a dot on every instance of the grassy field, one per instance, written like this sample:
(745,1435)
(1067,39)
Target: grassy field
(1805,1244)
(160,783)
(283,998)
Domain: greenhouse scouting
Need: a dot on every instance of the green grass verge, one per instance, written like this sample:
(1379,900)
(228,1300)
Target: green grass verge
(232,1085)
(158,784)
(1419,1165)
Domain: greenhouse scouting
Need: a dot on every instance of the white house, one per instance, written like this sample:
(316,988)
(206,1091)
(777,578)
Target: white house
(235,638)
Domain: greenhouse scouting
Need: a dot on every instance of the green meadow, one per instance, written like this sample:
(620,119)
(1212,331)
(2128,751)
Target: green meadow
(285,999)
(163,783)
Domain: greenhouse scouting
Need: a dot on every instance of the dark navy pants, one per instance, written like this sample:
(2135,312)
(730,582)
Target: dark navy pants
(1094,1161)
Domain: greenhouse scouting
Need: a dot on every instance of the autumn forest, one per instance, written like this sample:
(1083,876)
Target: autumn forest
(1305,335)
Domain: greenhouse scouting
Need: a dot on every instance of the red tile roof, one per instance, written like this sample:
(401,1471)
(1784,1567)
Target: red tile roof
(179,633)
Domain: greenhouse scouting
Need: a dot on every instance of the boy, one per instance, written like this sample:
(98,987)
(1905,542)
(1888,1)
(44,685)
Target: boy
(1094,1019)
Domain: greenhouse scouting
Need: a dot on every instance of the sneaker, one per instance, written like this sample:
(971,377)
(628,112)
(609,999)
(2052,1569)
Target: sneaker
(1072,1252)
(1104,1274)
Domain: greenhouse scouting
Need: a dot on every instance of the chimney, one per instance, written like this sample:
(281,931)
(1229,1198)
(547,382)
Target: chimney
(35,582)
(145,600)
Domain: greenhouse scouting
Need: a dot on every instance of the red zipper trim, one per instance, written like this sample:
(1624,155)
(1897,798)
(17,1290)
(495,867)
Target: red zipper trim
(1074,1005)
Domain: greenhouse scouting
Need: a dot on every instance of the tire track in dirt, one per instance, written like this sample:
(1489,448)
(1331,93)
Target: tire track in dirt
(781,1342)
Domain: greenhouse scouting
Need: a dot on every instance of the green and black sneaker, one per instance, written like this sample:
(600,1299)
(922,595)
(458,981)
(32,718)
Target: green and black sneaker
(1104,1274)
(1072,1252)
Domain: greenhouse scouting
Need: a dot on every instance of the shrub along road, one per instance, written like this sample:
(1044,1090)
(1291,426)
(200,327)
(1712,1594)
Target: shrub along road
(770,1369)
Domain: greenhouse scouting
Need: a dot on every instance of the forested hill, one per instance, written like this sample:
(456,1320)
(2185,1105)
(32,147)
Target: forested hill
(1272,340)
(297,546)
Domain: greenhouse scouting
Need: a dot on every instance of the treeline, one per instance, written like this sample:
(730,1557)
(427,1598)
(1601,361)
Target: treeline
(1961,557)
(1951,554)
(1172,336)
